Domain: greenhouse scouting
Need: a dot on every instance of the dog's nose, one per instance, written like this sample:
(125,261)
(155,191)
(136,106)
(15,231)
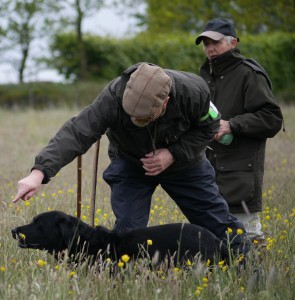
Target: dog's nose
(14,232)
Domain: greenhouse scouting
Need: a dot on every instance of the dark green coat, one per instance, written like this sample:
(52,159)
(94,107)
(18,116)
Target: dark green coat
(180,129)
(243,98)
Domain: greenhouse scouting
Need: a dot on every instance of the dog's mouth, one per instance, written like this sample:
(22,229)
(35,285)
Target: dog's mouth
(22,243)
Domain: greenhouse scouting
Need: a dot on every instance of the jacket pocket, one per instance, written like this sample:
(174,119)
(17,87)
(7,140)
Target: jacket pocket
(228,161)
(235,177)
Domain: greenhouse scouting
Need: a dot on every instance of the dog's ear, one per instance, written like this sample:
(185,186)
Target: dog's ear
(69,228)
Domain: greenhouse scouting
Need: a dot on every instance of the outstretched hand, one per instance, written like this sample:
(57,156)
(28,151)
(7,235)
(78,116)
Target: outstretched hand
(28,186)
(155,163)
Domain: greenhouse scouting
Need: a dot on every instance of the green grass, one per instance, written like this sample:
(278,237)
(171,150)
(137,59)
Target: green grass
(32,274)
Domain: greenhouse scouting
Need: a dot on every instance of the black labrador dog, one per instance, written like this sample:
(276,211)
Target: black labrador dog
(56,231)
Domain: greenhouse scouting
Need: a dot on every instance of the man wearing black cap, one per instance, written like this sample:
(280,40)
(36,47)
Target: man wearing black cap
(241,90)
(159,123)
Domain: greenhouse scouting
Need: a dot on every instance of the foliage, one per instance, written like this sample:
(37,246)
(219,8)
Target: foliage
(22,26)
(191,16)
(107,57)
(33,274)
(70,15)
(104,59)
(41,95)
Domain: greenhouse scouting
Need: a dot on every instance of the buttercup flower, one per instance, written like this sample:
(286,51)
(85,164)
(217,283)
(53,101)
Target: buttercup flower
(240,231)
(208,262)
(221,263)
(149,242)
(120,264)
(41,263)
(229,230)
(22,236)
(125,258)
(72,274)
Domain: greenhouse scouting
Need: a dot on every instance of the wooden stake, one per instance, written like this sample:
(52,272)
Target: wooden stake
(79,185)
(94,183)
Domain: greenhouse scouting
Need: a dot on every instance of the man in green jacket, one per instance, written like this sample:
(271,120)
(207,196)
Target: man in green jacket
(159,123)
(241,90)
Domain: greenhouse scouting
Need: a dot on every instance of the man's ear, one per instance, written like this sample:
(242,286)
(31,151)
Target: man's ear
(165,102)
(69,231)
(234,43)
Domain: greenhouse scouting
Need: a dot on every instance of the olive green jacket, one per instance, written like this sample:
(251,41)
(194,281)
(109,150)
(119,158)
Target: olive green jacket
(182,129)
(244,98)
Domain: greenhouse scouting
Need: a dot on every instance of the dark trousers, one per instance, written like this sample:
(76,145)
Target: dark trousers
(194,191)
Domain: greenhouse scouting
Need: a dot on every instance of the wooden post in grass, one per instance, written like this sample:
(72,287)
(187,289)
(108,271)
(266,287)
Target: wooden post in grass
(79,185)
(94,183)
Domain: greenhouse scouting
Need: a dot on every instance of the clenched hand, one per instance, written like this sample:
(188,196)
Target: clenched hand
(156,163)
(223,129)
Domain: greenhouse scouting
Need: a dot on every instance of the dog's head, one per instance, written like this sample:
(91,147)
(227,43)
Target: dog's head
(53,231)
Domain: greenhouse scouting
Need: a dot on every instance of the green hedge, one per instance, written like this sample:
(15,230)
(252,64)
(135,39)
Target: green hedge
(107,58)
(41,95)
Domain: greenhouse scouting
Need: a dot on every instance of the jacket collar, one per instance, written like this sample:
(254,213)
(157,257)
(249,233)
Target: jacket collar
(223,63)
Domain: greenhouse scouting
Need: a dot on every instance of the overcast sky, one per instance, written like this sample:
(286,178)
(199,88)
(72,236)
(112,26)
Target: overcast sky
(105,23)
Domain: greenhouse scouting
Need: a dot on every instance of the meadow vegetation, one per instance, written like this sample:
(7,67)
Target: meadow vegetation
(33,274)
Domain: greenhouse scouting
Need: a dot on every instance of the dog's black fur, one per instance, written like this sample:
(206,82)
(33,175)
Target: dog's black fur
(56,231)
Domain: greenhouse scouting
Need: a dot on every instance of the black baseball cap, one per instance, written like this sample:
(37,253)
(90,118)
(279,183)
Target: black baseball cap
(217,29)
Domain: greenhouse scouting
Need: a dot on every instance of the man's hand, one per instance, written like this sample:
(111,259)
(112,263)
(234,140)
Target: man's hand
(223,129)
(155,164)
(28,186)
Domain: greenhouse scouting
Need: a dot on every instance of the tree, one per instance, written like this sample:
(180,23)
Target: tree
(21,24)
(191,16)
(70,15)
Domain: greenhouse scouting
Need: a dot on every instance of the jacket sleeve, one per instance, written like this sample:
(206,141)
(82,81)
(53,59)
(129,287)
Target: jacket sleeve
(263,117)
(202,128)
(77,135)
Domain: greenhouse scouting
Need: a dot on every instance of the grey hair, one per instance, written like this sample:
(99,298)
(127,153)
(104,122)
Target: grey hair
(229,39)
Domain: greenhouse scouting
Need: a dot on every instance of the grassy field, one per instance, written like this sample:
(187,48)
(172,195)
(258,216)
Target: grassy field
(33,274)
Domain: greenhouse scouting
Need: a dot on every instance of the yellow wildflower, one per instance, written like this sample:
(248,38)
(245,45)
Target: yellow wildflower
(198,290)
(221,263)
(2,269)
(125,258)
(188,263)
(120,264)
(149,242)
(208,262)
(224,268)
(229,230)
(240,231)
(41,263)
(22,236)
(72,274)
(205,279)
